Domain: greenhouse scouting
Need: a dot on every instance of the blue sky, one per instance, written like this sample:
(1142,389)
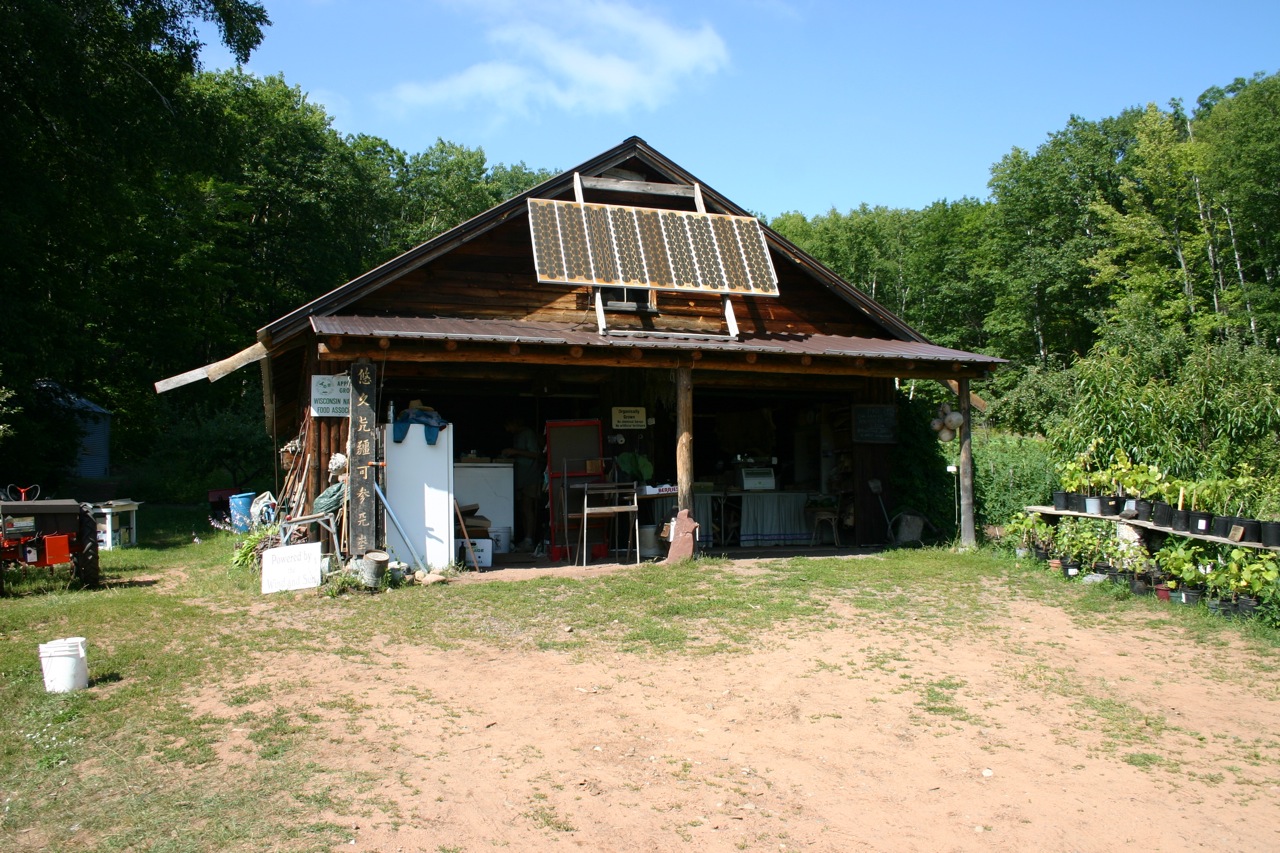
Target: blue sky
(779,104)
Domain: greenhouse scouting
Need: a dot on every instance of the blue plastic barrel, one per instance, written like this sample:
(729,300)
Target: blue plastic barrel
(241,504)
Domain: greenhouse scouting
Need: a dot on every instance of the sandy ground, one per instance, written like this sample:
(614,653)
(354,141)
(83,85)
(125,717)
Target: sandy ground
(888,733)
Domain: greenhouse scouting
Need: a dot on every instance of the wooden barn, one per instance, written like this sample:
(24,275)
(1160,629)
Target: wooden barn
(627,295)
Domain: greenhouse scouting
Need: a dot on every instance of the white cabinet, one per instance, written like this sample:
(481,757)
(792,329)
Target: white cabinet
(420,493)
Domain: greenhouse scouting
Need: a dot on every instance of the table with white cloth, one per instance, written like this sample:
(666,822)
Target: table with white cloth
(764,518)
(773,518)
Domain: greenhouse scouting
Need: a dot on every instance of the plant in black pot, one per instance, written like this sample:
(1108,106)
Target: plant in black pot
(1258,578)
(1267,510)
(1181,561)
(1139,483)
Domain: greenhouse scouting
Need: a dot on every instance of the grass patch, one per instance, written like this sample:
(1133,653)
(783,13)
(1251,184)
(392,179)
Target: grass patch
(141,753)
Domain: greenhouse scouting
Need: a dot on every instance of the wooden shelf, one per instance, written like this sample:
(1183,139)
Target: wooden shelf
(1147,525)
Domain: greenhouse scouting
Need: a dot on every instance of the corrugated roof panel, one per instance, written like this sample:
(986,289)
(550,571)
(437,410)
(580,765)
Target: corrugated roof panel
(564,334)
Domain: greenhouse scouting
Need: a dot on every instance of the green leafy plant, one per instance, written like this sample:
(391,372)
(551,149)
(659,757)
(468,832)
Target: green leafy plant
(1181,560)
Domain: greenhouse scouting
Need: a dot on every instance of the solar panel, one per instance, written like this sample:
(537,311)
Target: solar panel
(610,245)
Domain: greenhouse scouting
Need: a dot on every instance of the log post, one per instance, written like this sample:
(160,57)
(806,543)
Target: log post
(684,438)
(968,535)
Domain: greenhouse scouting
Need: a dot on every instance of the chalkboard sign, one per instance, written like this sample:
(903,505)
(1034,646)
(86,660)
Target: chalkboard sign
(875,424)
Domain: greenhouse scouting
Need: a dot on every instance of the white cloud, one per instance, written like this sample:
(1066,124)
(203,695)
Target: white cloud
(602,56)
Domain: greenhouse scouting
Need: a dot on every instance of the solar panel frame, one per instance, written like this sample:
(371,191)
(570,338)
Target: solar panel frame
(604,245)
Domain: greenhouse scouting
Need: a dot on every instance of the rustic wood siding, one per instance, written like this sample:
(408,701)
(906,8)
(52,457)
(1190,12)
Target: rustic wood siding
(493,277)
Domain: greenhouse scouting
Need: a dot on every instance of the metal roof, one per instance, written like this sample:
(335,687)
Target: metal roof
(566,334)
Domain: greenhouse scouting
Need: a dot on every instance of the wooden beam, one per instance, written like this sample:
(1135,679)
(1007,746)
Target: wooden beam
(684,440)
(640,187)
(215,371)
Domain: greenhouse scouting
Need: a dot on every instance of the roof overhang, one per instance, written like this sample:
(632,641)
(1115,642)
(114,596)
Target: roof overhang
(435,339)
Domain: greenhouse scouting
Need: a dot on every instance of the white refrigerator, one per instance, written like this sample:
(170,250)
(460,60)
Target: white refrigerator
(420,493)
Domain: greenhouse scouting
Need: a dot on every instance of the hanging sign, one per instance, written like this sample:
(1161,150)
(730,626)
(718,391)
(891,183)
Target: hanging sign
(628,417)
(875,424)
(331,396)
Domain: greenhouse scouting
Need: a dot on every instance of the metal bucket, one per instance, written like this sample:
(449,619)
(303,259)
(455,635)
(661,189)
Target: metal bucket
(373,567)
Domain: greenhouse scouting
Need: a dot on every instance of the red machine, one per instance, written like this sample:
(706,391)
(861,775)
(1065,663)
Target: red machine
(48,533)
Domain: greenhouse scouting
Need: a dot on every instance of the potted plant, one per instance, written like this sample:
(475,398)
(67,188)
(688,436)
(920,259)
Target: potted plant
(1018,531)
(1257,576)
(1267,509)
(1070,545)
(1139,483)
(1180,560)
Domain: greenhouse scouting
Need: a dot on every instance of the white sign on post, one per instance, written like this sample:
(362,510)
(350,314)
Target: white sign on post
(331,396)
(291,567)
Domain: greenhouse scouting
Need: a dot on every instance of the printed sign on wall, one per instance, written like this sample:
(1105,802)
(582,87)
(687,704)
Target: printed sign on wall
(330,396)
(628,417)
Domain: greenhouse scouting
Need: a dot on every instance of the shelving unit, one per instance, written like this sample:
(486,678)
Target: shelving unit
(1147,525)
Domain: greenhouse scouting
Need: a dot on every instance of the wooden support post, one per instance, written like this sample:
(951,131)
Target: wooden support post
(968,535)
(684,438)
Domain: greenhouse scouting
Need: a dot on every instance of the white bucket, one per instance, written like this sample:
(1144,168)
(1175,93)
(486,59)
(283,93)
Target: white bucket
(65,665)
(501,537)
(649,541)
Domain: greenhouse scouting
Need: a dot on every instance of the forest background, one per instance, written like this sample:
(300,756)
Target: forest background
(152,216)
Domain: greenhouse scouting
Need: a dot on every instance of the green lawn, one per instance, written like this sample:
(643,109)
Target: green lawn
(130,765)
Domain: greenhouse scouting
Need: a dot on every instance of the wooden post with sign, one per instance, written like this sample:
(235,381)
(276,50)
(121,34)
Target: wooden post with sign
(362,509)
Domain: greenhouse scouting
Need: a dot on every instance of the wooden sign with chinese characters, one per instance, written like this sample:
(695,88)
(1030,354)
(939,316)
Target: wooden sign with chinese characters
(362,512)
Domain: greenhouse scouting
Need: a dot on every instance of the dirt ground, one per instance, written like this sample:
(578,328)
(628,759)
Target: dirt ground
(867,733)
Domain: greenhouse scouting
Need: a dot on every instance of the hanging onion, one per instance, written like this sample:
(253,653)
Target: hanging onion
(953,420)
(936,424)
(946,434)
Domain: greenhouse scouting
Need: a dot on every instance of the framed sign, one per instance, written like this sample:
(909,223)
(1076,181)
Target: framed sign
(291,567)
(330,396)
(629,417)
(875,424)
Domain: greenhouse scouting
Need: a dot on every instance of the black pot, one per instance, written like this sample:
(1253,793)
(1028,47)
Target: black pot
(1224,607)
(1271,533)
(1161,514)
(1075,501)
(1221,526)
(1245,605)
(1112,505)
(1252,529)
(1059,501)
(1191,597)
(1181,520)
(1143,508)
(1070,568)
(1200,522)
(1140,584)
(1041,553)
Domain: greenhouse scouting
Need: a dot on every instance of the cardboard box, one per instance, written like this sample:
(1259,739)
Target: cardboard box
(483,549)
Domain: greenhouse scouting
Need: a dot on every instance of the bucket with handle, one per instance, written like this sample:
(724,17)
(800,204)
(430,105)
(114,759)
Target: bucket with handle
(65,665)
(373,568)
